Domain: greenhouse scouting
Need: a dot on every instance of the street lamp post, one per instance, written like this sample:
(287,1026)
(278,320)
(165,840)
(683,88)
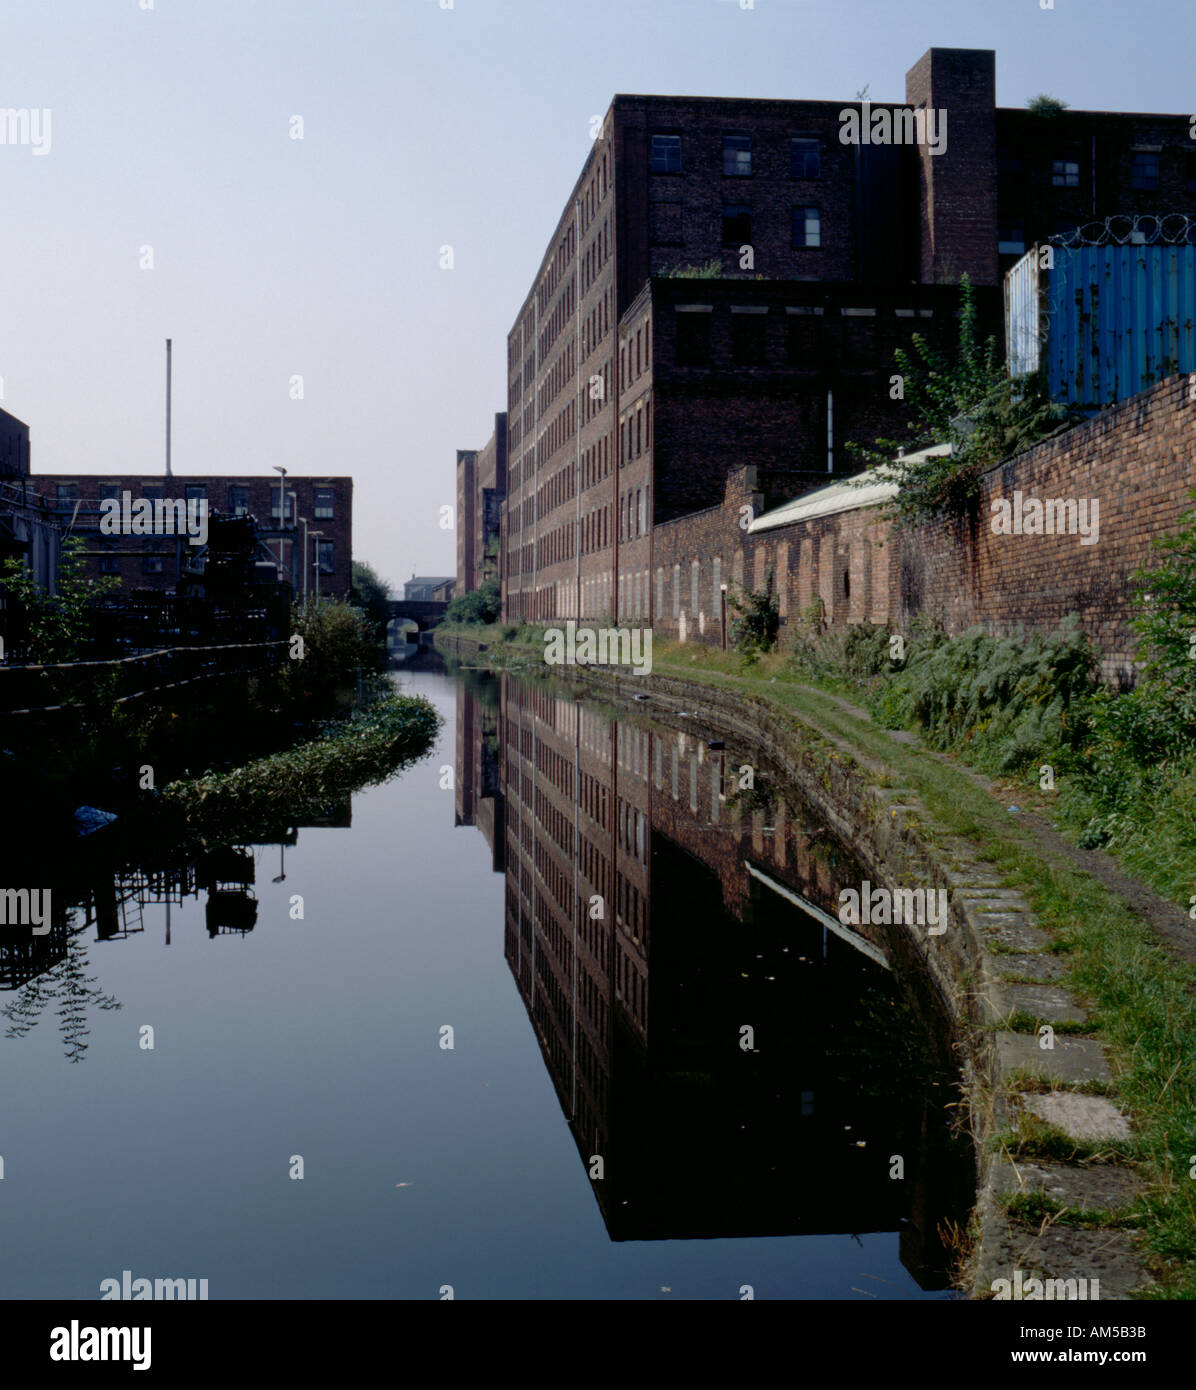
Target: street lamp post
(303,519)
(282,477)
(723,595)
(316,537)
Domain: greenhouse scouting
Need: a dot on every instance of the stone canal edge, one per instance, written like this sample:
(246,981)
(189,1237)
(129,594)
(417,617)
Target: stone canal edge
(993,968)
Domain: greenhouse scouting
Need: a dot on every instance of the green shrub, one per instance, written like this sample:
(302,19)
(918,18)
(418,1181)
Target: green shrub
(480,605)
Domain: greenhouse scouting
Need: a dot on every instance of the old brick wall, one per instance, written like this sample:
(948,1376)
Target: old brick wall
(1136,461)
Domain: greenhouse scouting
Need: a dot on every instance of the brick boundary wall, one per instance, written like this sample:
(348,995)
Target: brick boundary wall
(1136,459)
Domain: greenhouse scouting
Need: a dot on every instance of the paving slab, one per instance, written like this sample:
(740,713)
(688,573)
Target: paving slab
(1015,930)
(1047,1003)
(1062,1252)
(1071,1059)
(1038,965)
(1082,1187)
(1080,1116)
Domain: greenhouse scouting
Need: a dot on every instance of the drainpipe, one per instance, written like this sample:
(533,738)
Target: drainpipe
(577,406)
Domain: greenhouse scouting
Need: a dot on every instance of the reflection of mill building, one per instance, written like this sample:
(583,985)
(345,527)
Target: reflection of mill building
(639,1010)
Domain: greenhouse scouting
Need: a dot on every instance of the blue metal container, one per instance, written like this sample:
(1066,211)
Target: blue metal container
(1105,321)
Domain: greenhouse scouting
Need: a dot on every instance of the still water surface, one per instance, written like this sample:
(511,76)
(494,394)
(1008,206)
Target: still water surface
(462,895)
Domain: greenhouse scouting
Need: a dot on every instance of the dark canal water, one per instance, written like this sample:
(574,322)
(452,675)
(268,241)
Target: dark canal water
(598,1128)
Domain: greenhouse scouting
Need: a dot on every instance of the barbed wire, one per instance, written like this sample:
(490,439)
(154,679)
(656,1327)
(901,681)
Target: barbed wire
(1132,229)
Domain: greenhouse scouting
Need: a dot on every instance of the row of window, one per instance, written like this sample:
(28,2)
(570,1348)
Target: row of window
(805,162)
(155,564)
(238,497)
(805,155)
(805,226)
(1144,172)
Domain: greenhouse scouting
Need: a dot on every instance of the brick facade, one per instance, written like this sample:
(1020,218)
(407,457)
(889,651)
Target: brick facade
(154,562)
(603,452)
(1137,460)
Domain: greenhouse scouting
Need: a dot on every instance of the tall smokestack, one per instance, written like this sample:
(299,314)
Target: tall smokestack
(168,407)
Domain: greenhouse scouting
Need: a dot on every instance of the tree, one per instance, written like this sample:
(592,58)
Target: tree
(55,625)
(371,594)
(968,403)
(1043,105)
(480,605)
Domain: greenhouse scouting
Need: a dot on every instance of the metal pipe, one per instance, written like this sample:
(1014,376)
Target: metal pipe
(168,393)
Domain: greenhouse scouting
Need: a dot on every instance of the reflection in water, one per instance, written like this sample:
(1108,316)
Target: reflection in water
(113,876)
(732,1061)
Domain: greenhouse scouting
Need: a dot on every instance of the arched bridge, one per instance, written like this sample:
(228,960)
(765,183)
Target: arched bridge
(422,612)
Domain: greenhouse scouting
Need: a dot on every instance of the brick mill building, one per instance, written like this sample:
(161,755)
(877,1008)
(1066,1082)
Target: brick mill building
(724,291)
(308,530)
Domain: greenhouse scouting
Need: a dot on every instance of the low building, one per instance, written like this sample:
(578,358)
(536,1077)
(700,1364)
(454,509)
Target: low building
(429,588)
(307,523)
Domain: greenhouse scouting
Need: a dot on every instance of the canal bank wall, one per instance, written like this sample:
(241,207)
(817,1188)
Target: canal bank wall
(992,969)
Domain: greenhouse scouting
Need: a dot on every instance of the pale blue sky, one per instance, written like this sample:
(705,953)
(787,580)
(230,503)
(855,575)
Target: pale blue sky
(423,126)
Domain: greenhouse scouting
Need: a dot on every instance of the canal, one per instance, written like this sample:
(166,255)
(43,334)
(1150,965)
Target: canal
(560,1012)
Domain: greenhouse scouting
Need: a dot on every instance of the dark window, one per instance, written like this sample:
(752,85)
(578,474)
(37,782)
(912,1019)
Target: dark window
(110,492)
(666,154)
(1011,236)
(1192,173)
(1065,173)
(693,340)
(324,556)
(152,492)
(805,158)
(737,224)
(801,340)
(1145,172)
(1009,164)
(747,339)
(197,492)
(737,155)
(807,227)
(109,564)
(238,501)
(323,502)
(67,494)
(152,564)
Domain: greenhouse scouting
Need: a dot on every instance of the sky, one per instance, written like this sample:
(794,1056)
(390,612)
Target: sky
(425,124)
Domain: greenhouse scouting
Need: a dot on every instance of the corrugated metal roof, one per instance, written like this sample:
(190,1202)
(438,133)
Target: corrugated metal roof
(847,496)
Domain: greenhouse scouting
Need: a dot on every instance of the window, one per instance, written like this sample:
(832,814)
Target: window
(152,564)
(805,158)
(693,339)
(1010,164)
(1065,173)
(737,156)
(238,501)
(747,339)
(801,340)
(109,564)
(737,224)
(1011,237)
(1145,172)
(807,227)
(666,154)
(324,556)
(152,492)
(110,492)
(1192,173)
(323,502)
(288,514)
(197,492)
(67,494)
